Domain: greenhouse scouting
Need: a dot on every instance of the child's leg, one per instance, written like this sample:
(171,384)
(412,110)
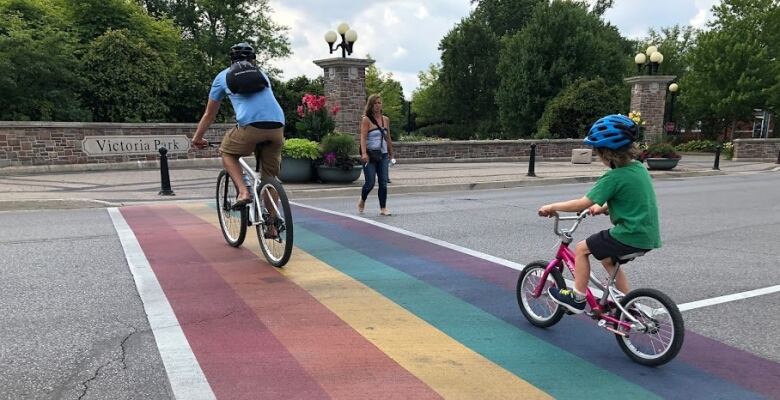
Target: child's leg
(581,267)
(621,281)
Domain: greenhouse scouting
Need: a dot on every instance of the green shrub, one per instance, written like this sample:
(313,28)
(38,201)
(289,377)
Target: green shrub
(418,138)
(341,144)
(660,150)
(450,131)
(301,148)
(572,112)
(706,146)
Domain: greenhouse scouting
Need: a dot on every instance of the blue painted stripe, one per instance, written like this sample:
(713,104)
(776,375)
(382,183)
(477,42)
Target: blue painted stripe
(590,343)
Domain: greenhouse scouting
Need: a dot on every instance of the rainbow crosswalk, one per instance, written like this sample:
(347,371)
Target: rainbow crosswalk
(366,312)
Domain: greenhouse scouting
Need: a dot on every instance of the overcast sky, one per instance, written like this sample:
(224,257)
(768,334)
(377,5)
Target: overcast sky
(403,35)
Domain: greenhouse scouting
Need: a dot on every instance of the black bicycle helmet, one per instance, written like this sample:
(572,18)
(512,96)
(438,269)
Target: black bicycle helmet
(242,52)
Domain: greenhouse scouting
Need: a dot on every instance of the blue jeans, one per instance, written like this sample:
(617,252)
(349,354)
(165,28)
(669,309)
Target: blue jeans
(378,170)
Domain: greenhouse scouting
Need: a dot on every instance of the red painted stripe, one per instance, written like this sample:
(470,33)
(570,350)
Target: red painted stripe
(344,363)
(239,355)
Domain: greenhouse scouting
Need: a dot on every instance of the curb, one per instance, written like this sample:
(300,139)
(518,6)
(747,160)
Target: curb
(53,204)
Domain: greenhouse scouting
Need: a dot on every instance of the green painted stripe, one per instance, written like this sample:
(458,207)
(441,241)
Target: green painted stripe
(547,367)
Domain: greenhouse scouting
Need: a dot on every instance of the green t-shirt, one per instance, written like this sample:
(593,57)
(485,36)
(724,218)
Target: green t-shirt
(628,190)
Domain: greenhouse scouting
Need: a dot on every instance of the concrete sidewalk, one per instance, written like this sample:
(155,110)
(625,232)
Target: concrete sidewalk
(121,187)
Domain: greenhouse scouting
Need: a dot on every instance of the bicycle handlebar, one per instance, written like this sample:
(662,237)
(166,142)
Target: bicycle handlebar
(568,232)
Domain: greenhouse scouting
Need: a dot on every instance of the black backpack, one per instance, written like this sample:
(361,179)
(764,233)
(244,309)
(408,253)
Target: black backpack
(244,78)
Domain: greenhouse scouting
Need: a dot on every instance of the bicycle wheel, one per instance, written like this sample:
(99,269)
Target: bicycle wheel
(663,336)
(232,222)
(275,216)
(540,311)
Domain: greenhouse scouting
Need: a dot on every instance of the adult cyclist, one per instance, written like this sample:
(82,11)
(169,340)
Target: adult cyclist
(259,118)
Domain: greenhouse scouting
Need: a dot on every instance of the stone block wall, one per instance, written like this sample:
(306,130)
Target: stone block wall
(345,86)
(648,96)
(56,143)
(756,149)
(483,149)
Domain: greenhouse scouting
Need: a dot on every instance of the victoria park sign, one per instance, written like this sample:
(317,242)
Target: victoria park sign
(131,145)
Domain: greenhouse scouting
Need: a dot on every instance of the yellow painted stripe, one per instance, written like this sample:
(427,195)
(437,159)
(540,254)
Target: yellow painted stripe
(448,367)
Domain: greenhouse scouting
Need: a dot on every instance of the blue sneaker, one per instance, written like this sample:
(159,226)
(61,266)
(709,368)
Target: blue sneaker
(565,297)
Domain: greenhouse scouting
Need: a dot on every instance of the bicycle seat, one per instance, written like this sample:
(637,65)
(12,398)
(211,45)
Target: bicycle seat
(628,257)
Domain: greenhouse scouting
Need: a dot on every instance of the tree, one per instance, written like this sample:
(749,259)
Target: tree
(216,25)
(540,60)
(572,112)
(732,71)
(469,53)
(289,95)
(504,17)
(428,103)
(128,79)
(40,78)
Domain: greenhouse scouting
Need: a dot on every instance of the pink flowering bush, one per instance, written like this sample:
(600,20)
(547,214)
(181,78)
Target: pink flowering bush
(316,119)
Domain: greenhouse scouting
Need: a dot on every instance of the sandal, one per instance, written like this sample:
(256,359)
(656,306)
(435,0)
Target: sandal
(385,212)
(241,203)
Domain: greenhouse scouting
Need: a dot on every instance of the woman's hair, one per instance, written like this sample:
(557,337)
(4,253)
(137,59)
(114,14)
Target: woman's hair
(370,104)
(619,157)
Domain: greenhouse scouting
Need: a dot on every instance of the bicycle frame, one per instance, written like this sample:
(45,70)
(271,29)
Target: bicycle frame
(565,256)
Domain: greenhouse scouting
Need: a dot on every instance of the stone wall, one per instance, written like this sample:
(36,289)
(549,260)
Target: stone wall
(485,149)
(756,149)
(58,143)
(648,96)
(345,86)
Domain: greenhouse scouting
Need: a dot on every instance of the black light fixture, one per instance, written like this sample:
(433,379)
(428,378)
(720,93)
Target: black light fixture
(673,89)
(650,60)
(348,38)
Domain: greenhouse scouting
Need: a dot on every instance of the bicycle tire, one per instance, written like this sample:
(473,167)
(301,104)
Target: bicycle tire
(542,311)
(276,250)
(677,334)
(232,222)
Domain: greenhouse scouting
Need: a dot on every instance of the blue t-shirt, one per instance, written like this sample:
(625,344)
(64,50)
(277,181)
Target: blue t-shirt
(255,107)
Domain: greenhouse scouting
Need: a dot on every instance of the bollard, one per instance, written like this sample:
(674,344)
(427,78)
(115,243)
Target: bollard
(165,179)
(532,160)
(716,167)
(778,157)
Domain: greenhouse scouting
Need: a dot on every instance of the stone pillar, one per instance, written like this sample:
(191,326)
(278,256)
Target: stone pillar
(345,86)
(648,96)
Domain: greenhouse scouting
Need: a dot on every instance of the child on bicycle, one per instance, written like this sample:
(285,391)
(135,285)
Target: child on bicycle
(626,194)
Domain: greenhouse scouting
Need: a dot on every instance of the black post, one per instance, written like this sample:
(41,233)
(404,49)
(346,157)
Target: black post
(778,157)
(165,179)
(716,167)
(532,160)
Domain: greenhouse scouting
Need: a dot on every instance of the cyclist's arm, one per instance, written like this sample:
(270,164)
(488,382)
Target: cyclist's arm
(575,205)
(212,107)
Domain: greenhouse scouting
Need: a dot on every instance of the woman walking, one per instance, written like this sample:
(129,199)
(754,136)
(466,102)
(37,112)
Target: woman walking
(376,148)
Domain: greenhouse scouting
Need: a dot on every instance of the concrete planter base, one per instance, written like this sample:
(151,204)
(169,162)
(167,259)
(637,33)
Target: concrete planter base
(662,163)
(295,170)
(338,175)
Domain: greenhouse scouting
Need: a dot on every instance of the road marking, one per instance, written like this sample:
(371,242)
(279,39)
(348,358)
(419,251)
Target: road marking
(727,298)
(517,266)
(184,373)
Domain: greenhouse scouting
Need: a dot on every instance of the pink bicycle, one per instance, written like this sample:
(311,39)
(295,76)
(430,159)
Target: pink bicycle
(647,324)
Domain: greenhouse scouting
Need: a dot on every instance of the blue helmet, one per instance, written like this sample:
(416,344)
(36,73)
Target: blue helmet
(613,132)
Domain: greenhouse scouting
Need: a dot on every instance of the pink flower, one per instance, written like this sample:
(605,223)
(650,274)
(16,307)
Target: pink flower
(335,110)
(300,111)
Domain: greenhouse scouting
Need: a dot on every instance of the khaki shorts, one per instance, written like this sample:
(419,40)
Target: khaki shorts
(241,141)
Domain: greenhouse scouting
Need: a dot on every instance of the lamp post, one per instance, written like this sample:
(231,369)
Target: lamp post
(650,60)
(348,38)
(673,88)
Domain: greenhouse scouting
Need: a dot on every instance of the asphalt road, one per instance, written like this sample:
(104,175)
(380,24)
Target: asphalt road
(720,238)
(73,326)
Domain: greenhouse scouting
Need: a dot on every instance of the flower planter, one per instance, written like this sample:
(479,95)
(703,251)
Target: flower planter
(337,174)
(295,170)
(662,163)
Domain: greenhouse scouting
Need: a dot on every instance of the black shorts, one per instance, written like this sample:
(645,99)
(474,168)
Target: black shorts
(602,245)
